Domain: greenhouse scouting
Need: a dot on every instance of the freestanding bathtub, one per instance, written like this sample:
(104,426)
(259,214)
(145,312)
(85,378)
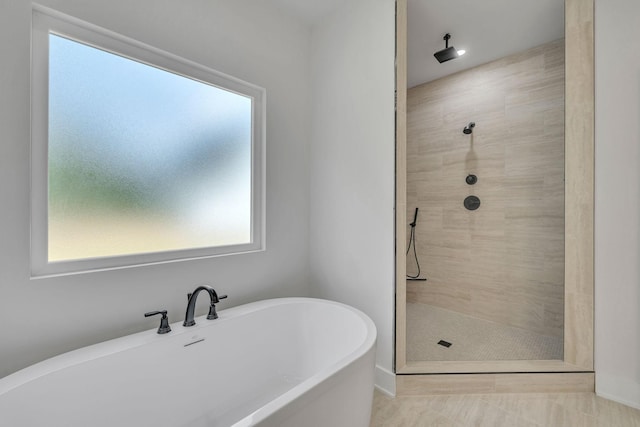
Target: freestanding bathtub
(295,362)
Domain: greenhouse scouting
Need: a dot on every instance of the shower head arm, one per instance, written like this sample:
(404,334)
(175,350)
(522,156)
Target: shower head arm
(468,129)
(446,40)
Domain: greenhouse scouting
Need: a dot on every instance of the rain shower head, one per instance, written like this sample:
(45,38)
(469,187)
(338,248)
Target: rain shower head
(446,54)
(449,52)
(469,128)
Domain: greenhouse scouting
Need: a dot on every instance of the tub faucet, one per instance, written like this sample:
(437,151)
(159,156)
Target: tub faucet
(191,305)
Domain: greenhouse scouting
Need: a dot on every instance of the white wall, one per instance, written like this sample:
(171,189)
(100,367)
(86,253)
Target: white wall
(244,38)
(617,214)
(352,165)
(349,174)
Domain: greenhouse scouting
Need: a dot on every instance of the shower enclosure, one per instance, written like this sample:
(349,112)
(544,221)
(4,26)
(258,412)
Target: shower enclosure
(498,158)
(493,251)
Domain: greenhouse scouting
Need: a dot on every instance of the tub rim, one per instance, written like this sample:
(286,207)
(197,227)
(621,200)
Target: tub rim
(138,339)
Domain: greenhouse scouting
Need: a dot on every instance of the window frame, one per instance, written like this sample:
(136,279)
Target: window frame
(46,21)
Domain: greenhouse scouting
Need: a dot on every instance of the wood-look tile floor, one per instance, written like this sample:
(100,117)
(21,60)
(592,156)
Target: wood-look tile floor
(502,410)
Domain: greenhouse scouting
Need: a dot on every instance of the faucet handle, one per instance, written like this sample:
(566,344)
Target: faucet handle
(164,322)
(213,314)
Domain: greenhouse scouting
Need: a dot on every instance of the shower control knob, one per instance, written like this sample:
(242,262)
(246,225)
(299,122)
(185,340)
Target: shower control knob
(472,203)
(471,179)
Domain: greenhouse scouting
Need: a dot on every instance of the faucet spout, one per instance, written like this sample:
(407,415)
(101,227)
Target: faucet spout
(191,305)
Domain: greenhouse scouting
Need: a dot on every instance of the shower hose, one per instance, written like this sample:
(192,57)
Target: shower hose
(412,241)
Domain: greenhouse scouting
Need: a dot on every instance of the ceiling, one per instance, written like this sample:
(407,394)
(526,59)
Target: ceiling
(486,29)
(309,11)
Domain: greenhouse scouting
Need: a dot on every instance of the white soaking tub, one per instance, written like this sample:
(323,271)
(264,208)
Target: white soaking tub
(285,362)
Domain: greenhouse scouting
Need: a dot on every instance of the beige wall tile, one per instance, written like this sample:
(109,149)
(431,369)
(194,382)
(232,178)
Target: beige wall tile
(505,261)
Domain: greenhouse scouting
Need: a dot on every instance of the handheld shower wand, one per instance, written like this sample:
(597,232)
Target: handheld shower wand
(415,218)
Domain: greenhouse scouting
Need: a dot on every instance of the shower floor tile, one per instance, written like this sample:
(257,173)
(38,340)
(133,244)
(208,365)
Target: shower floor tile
(472,338)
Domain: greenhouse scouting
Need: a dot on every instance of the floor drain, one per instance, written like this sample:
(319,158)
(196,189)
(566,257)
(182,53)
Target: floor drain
(444,343)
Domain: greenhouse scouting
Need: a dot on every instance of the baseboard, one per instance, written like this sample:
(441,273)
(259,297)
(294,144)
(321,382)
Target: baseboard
(417,385)
(385,381)
(618,389)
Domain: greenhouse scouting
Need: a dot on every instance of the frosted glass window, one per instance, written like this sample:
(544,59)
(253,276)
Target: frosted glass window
(141,159)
